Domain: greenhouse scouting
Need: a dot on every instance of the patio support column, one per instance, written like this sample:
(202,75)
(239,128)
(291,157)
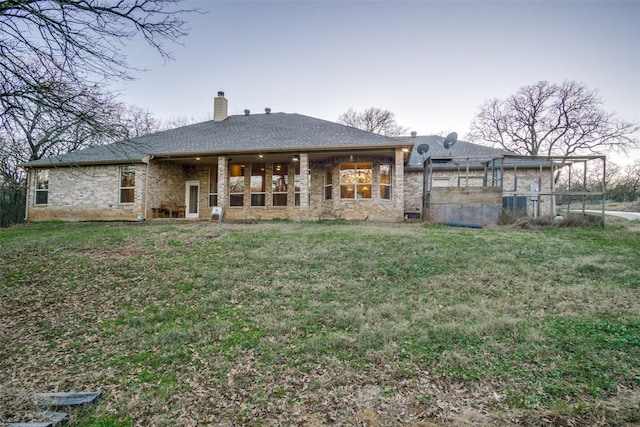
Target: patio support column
(304,180)
(222,181)
(398,183)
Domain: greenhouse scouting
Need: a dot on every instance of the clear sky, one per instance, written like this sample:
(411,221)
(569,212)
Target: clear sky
(432,63)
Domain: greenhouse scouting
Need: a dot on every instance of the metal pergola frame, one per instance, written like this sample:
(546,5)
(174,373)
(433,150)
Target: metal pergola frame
(493,172)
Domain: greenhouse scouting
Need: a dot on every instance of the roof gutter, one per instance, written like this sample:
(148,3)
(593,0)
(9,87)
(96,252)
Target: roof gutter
(266,150)
(62,164)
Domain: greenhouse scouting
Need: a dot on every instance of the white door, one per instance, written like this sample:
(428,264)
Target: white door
(191,198)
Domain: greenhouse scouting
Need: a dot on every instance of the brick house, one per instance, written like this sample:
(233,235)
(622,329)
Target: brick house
(266,166)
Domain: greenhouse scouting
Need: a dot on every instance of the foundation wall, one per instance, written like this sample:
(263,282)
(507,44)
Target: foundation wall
(481,205)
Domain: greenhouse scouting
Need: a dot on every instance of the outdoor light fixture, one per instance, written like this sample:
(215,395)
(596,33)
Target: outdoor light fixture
(260,155)
(296,157)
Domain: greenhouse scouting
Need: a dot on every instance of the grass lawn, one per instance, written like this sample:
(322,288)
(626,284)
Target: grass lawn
(198,323)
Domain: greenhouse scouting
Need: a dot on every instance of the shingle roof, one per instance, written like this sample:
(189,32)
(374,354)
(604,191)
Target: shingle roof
(461,149)
(238,133)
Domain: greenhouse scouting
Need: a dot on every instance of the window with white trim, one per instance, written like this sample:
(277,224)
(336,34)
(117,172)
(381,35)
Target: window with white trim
(440,181)
(42,187)
(213,186)
(385,181)
(236,185)
(328,182)
(127,184)
(355,180)
(280,184)
(257,186)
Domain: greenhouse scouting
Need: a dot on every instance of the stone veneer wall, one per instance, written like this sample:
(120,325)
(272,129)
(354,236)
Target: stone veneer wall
(375,209)
(267,212)
(167,184)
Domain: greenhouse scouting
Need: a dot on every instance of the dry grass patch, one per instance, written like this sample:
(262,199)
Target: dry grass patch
(17,406)
(324,323)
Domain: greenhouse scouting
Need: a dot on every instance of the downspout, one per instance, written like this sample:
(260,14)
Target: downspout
(26,196)
(584,187)
(146,189)
(552,188)
(146,160)
(426,195)
(604,186)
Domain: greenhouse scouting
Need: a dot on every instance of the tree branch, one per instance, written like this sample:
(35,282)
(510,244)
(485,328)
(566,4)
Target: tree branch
(553,119)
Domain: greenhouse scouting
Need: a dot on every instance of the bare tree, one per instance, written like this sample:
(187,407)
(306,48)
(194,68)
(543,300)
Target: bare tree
(31,130)
(627,186)
(176,122)
(137,121)
(79,40)
(34,132)
(611,172)
(552,119)
(374,120)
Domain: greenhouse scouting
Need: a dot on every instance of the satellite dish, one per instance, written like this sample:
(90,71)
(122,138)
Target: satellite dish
(422,148)
(450,140)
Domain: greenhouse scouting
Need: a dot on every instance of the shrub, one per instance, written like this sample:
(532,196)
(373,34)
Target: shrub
(508,217)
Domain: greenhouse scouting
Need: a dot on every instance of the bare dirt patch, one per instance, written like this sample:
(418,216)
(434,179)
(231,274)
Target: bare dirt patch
(114,254)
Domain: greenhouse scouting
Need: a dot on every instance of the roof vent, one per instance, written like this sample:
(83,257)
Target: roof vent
(414,134)
(247,112)
(267,110)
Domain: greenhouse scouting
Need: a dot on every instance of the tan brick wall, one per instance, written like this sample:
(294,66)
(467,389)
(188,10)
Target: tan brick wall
(522,187)
(166,185)
(268,212)
(305,184)
(398,184)
(375,209)
(85,194)
(92,192)
(222,185)
(413,192)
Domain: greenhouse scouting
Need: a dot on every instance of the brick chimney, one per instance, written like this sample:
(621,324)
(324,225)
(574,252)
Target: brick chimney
(219,107)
